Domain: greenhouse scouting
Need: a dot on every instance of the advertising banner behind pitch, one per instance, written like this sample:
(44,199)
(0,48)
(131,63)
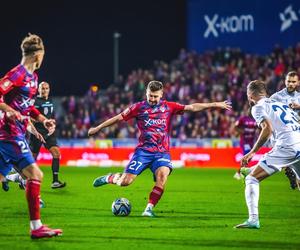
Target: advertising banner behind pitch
(181,157)
(254,26)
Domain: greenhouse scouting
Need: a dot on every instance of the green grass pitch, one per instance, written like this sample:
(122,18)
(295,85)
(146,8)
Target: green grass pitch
(198,211)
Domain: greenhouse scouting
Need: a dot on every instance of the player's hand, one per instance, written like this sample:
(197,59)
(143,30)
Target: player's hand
(246,158)
(14,115)
(92,131)
(31,129)
(40,137)
(50,124)
(294,105)
(224,105)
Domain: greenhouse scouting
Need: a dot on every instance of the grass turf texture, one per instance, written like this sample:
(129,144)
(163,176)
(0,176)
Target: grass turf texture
(198,210)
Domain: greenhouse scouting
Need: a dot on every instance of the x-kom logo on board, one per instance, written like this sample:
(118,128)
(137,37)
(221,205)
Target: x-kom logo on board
(288,17)
(217,25)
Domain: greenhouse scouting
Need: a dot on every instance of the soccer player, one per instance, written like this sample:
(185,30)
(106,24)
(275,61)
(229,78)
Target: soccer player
(245,126)
(17,90)
(154,123)
(43,103)
(272,117)
(291,97)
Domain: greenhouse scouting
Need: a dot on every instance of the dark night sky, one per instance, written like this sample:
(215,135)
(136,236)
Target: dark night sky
(78,37)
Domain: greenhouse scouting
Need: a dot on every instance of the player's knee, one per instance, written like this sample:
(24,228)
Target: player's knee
(251,180)
(55,152)
(38,175)
(35,175)
(2,178)
(161,178)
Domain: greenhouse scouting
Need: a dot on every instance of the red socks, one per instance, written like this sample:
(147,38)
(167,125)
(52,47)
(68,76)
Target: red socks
(155,195)
(33,198)
(110,179)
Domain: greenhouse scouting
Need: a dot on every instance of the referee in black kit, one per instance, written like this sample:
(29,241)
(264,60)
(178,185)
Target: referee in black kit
(45,105)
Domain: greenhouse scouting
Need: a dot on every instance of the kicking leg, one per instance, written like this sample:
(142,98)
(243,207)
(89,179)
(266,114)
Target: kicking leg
(120,179)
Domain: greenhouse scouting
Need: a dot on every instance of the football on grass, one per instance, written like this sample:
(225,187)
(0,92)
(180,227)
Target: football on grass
(121,207)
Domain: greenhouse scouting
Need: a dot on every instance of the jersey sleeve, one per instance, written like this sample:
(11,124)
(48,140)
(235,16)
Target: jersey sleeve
(130,112)
(275,97)
(11,79)
(5,86)
(176,108)
(34,113)
(259,114)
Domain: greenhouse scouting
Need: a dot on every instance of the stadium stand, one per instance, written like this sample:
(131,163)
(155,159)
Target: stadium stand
(191,77)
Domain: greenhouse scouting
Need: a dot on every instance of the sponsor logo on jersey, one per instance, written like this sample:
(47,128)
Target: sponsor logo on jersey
(27,102)
(151,122)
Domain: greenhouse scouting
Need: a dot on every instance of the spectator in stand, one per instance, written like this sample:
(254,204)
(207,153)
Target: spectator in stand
(213,75)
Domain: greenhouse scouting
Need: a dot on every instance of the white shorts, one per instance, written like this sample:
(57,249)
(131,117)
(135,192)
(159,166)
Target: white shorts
(280,157)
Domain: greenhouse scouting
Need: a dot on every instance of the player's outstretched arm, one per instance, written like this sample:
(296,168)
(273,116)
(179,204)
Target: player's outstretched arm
(196,107)
(107,123)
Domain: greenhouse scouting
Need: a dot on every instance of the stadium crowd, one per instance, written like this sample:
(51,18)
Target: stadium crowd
(217,75)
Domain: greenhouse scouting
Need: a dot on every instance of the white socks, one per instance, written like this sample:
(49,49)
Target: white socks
(117,178)
(252,197)
(13,177)
(149,206)
(35,224)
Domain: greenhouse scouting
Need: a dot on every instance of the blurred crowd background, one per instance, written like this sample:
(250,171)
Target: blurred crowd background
(212,76)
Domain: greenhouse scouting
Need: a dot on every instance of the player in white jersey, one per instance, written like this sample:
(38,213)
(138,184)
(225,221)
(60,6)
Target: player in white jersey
(272,117)
(291,97)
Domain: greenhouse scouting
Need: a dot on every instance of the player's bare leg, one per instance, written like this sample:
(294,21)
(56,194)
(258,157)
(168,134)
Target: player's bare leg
(34,178)
(161,176)
(55,152)
(120,179)
(252,196)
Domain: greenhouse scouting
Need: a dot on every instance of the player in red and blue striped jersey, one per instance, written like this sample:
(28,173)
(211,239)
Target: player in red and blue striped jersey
(246,127)
(17,91)
(153,118)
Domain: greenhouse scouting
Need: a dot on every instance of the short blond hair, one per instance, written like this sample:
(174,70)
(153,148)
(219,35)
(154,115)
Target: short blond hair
(31,44)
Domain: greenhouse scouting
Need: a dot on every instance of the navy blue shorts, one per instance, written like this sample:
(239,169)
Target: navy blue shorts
(143,159)
(14,153)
